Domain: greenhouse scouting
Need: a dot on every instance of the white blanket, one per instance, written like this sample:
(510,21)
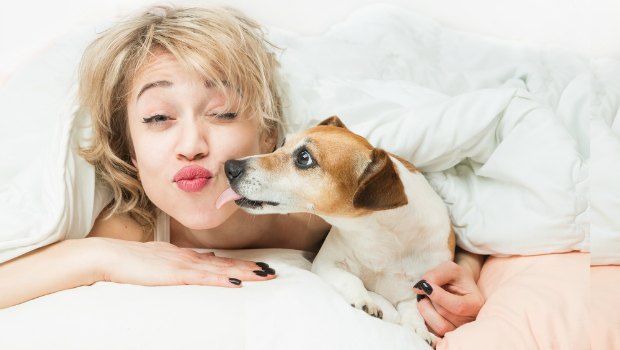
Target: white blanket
(504,131)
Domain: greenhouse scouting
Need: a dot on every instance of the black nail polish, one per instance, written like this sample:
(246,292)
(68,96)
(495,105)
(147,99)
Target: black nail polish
(424,286)
(262,265)
(261,273)
(270,271)
(234,281)
(420,297)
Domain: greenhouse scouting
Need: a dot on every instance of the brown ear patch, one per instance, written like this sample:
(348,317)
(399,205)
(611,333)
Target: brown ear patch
(333,121)
(380,187)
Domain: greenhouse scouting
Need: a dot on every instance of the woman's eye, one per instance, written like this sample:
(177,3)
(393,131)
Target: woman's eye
(158,118)
(224,116)
(304,159)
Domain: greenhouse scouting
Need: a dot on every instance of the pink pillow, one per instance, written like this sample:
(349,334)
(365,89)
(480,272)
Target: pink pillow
(605,307)
(533,302)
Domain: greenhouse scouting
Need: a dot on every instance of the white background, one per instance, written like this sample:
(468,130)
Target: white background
(590,27)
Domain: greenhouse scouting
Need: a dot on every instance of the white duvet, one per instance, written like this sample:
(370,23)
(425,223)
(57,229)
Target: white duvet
(522,142)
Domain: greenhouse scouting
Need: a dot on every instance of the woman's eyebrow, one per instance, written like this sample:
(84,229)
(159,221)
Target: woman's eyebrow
(161,83)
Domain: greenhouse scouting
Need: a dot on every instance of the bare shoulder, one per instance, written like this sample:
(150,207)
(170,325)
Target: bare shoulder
(119,226)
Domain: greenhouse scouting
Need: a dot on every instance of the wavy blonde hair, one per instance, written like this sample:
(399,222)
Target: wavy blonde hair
(219,43)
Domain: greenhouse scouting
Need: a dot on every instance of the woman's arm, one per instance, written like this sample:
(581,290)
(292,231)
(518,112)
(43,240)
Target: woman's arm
(79,262)
(63,265)
(470,261)
(59,266)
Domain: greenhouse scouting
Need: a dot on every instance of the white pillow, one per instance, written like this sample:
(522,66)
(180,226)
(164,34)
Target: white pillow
(47,190)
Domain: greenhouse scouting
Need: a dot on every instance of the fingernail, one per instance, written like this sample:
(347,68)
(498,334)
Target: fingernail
(420,297)
(270,271)
(261,273)
(234,281)
(424,286)
(262,265)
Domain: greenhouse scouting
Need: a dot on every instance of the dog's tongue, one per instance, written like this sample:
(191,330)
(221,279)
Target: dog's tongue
(225,197)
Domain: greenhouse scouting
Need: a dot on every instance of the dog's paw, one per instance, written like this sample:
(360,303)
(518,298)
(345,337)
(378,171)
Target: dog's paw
(428,337)
(369,307)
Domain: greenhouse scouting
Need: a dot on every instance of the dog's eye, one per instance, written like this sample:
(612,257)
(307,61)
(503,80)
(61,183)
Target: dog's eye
(304,159)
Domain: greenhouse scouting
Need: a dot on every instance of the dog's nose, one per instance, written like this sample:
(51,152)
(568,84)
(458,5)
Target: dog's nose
(234,169)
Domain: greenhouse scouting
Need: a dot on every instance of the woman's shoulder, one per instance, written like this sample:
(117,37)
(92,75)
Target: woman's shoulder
(119,226)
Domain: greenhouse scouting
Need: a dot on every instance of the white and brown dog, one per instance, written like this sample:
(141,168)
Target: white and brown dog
(388,225)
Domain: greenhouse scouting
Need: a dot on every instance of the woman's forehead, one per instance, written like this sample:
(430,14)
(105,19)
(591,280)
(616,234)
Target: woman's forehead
(163,69)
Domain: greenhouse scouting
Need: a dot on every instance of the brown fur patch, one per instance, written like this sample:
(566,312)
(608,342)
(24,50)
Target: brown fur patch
(273,163)
(342,157)
(333,148)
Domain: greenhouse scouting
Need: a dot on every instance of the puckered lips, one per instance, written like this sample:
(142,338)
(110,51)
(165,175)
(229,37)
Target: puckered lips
(230,195)
(192,178)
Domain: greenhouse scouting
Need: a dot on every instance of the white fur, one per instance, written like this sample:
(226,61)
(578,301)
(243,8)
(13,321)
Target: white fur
(388,251)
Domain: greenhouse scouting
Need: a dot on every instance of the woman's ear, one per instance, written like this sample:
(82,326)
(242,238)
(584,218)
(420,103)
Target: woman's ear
(269,140)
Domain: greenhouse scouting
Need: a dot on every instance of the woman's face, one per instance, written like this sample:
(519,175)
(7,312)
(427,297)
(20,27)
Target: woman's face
(182,135)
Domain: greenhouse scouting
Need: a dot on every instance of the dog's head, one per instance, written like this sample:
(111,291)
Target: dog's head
(326,170)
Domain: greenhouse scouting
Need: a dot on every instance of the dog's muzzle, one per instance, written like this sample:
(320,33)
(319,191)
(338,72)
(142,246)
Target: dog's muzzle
(235,169)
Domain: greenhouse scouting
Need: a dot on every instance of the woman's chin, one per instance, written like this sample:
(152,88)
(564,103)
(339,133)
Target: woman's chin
(198,220)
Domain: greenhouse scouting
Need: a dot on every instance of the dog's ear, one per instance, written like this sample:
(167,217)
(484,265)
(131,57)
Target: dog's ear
(333,121)
(380,186)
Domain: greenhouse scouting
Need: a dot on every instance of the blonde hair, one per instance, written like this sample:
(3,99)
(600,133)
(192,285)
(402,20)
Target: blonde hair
(219,43)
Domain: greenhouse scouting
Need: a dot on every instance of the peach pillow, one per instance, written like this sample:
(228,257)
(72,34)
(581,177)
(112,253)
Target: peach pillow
(535,302)
(605,307)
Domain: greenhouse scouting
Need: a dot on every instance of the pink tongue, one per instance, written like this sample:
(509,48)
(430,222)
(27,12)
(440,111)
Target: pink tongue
(226,196)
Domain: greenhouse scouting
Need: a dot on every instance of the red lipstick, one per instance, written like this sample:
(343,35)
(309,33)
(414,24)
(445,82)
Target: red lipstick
(192,178)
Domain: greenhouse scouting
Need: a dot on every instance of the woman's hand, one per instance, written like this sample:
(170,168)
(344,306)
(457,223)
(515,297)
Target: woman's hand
(450,297)
(160,263)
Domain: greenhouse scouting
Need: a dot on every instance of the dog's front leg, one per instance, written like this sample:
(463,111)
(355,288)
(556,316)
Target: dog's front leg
(410,317)
(334,267)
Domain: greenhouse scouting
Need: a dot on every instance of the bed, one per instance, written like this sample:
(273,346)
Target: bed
(521,141)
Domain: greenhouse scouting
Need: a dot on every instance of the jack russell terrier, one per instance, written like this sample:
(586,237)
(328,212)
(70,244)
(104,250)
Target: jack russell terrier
(388,225)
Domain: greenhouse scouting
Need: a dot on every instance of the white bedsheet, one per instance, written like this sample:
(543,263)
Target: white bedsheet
(297,310)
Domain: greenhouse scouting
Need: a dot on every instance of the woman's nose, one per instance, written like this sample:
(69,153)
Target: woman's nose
(192,142)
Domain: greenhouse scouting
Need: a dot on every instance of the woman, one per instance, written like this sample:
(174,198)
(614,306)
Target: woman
(173,94)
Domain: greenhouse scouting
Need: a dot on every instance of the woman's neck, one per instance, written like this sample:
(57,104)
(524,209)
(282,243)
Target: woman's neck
(241,230)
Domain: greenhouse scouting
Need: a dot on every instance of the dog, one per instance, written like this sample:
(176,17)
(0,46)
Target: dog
(389,226)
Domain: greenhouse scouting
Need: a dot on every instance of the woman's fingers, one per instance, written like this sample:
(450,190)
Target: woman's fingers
(207,278)
(456,320)
(456,304)
(230,262)
(240,269)
(434,321)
